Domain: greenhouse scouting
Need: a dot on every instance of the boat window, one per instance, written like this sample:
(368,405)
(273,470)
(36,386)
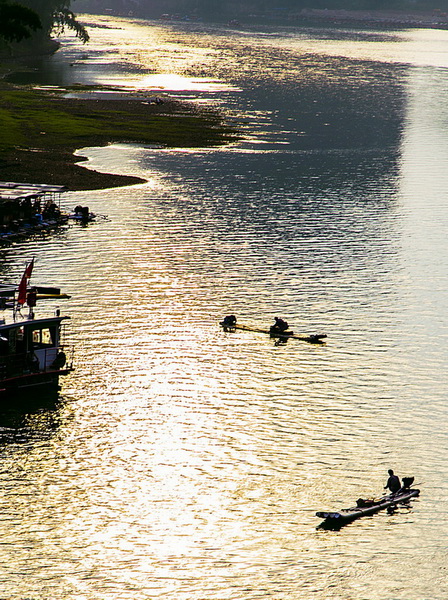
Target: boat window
(43,338)
(19,343)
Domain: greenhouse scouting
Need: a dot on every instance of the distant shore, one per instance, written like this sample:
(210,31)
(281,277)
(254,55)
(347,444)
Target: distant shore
(46,128)
(382,18)
(333,17)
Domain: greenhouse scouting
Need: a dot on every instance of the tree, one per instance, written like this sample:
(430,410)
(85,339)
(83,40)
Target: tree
(54,17)
(36,20)
(62,18)
(17,22)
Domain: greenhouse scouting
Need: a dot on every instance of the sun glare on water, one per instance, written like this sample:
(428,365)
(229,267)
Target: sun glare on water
(174,82)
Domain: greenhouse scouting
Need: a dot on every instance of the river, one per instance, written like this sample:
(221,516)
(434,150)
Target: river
(185,463)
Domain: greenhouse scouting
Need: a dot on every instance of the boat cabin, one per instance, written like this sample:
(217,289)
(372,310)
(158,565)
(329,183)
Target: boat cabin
(31,346)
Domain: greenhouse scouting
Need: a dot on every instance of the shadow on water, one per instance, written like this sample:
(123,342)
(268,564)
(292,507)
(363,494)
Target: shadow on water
(30,417)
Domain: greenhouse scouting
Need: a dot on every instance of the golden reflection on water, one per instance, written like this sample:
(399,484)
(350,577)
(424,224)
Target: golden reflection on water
(419,47)
(175,82)
(186,463)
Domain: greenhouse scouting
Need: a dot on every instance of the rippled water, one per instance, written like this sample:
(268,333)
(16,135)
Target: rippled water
(185,463)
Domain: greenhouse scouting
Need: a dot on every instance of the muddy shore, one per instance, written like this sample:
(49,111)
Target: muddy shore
(59,126)
(43,152)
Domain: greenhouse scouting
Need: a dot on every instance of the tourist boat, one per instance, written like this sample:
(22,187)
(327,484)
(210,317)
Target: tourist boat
(27,209)
(316,338)
(337,519)
(33,353)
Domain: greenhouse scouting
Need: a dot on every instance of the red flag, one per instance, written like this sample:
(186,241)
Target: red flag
(29,269)
(21,298)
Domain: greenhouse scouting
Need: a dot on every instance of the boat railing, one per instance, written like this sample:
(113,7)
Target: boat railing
(69,350)
(55,358)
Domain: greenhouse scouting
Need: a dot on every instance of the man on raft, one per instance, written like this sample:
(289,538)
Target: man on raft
(280,326)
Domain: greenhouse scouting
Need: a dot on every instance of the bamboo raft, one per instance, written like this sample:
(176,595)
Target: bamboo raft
(285,335)
(337,519)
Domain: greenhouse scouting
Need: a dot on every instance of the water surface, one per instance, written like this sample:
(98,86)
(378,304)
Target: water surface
(185,463)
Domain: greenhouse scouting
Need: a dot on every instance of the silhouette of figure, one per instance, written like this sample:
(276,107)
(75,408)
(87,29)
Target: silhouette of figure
(280,326)
(229,323)
(393,483)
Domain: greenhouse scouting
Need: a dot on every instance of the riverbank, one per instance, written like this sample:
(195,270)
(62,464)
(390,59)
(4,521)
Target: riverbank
(435,19)
(42,130)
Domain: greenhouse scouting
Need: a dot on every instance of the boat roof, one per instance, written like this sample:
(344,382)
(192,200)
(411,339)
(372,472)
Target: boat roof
(11,318)
(11,190)
(7,291)
(32,323)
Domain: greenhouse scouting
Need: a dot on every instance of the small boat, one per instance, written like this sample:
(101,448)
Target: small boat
(316,338)
(336,520)
(33,354)
(82,214)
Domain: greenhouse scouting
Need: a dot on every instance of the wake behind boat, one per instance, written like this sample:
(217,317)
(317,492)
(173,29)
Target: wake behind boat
(278,330)
(337,519)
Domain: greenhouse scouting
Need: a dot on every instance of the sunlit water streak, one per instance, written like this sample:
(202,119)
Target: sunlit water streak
(186,463)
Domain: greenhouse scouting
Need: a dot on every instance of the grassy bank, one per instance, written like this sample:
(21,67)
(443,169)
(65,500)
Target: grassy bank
(40,130)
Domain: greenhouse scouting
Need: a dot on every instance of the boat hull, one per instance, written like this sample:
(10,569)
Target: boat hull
(31,382)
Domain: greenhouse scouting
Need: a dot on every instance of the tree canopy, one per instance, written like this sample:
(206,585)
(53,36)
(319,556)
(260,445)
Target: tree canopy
(64,18)
(17,22)
(37,20)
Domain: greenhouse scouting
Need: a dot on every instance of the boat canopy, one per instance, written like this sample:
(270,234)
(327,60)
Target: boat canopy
(24,190)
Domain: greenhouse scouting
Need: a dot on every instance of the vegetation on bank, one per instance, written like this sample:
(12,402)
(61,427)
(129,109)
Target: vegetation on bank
(40,131)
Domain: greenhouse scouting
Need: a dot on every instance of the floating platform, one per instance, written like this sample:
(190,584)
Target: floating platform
(337,519)
(317,338)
